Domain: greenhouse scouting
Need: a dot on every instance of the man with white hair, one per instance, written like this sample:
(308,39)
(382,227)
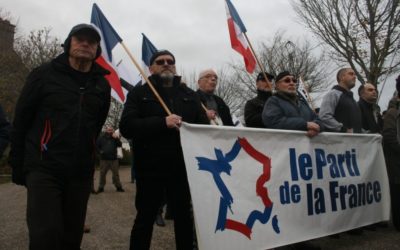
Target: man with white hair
(217,110)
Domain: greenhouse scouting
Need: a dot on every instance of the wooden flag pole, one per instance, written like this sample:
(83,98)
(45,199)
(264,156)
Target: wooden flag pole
(255,56)
(147,80)
(308,94)
(214,122)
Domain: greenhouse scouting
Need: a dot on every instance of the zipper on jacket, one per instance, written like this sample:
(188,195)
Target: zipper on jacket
(45,137)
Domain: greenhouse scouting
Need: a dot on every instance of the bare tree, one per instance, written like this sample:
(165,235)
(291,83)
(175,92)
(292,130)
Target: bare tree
(281,54)
(361,33)
(39,47)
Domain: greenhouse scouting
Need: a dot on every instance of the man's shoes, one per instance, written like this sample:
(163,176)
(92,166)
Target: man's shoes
(100,190)
(120,189)
(86,229)
(160,221)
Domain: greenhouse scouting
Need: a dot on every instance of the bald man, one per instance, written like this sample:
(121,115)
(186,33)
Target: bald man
(217,111)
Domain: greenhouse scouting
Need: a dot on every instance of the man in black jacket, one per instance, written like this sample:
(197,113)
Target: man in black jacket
(254,107)
(370,111)
(4,132)
(107,145)
(159,162)
(58,117)
(217,111)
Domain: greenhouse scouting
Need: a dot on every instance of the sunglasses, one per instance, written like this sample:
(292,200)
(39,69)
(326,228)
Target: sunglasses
(288,80)
(162,62)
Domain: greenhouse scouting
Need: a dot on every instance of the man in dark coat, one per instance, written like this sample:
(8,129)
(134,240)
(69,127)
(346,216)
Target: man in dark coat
(370,112)
(391,147)
(159,162)
(107,145)
(217,111)
(254,107)
(58,117)
(4,132)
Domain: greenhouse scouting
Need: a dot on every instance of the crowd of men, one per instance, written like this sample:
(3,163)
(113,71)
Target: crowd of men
(64,104)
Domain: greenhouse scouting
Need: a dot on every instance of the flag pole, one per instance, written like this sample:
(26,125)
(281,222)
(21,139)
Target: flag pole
(205,109)
(255,56)
(308,94)
(147,80)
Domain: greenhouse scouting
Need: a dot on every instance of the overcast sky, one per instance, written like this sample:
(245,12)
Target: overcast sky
(195,31)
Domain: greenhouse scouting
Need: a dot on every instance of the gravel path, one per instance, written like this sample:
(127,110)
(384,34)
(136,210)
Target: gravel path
(110,217)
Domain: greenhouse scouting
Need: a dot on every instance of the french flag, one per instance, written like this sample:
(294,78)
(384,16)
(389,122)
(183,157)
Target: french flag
(238,40)
(109,39)
(148,49)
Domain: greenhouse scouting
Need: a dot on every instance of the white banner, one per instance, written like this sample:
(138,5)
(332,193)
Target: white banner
(261,188)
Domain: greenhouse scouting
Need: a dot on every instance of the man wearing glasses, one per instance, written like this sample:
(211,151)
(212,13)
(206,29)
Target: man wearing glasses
(217,111)
(339,111)
(159,162)
(285,110)
(254,107)
(58,117)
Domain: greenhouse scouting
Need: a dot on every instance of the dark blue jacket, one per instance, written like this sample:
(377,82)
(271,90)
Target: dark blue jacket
(282,112)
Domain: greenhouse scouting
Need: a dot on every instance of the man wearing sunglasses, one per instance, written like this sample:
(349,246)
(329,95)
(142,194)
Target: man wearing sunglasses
(285,110)
(254,107)
(339,111)
(159,162)
(217,110)
(58,117)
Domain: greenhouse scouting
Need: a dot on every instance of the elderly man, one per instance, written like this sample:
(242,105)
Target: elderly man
(370,111)
(217,111)
(285,110)
(159,162)
(254,107)
(339,111)
(58,117)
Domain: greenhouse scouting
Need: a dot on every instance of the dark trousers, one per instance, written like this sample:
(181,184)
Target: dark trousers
(56,211)
(149,197)
(395,200)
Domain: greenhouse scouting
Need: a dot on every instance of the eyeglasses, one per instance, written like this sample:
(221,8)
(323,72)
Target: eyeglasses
(162,62)
(288,80)
(210,76)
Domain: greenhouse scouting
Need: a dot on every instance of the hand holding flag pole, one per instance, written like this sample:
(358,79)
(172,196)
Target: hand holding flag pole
(213,121)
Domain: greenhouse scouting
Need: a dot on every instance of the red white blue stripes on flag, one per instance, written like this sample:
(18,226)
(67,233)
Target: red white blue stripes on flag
(238,40)
(109,39)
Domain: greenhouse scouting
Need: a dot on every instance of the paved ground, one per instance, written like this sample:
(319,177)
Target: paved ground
(110,216)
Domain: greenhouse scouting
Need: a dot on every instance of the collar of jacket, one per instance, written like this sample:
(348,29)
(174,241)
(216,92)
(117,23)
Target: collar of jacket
(61,63)
(345,91)
(291,98)
(365,103)
(156,80)
(263,95)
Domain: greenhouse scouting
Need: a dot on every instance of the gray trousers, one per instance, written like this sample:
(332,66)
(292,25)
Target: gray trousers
(105,165)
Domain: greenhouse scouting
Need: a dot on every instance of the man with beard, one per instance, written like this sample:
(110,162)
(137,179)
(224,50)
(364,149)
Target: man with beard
(254,107)
(339,111)
(159,162)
